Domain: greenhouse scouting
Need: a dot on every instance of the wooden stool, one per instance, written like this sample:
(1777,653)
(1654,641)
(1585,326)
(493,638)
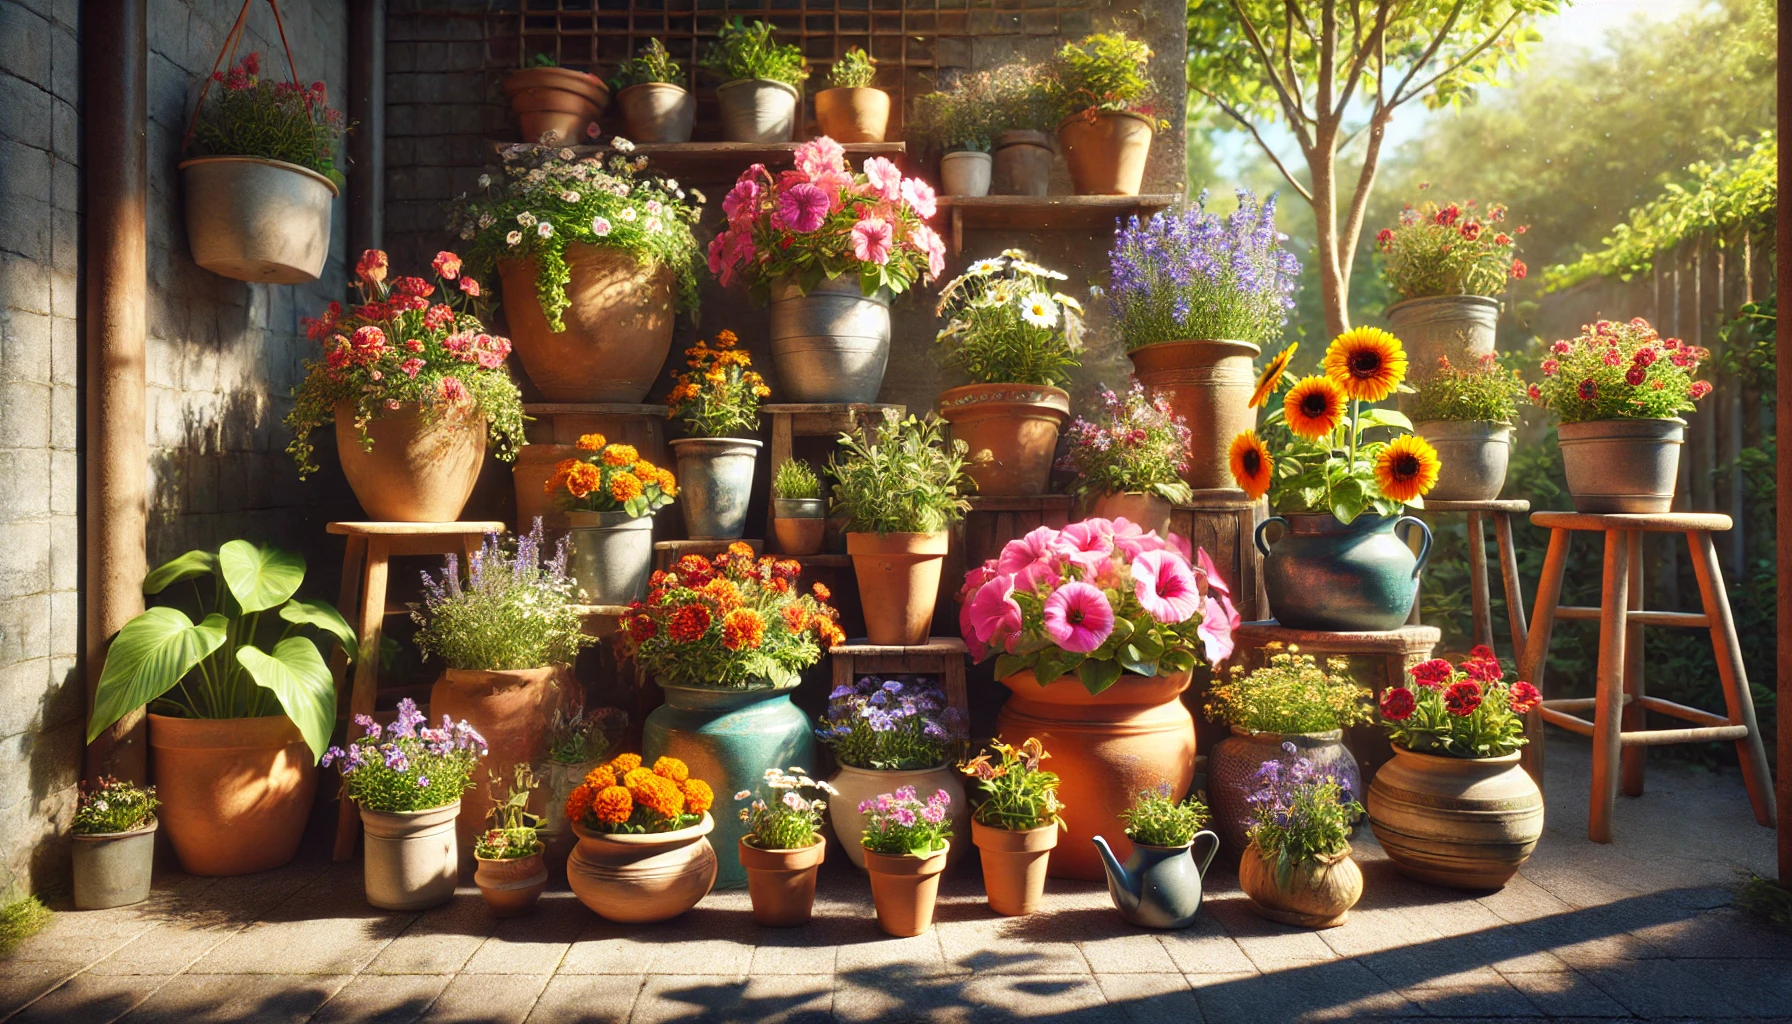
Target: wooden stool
(364,571)
(1619,726)
(793,420)
(1501,512)
(940,655)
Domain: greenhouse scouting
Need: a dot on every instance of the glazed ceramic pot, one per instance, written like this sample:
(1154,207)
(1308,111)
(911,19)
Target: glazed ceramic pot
(235,792)
(1149,511)
(1012,431)
(1233,765)
(715,483)
(641,879)
(411,859)
(1106,151)
(657,112)
(558,780)
(757,110)
(612,555)
(1622,465)
(256,220)
(1023,164)
(1459,328)
(421,469)
(1472,458)
(615,332)
(1460,822)
(966,172)
(511,885)
(1106,748)
(856,785)
(1323,573)
(729,737)
(860,114)
(113,869)
(904,888)
(899,583)
(558,100)
(1209,385)
(1158,886)
(781,883)
(800,524)
(1315,893)
(1014,865)
(832,344)
(511,709)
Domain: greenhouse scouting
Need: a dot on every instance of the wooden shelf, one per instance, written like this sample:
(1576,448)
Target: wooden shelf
(1020,503)
(1045,213)
(593,409)
(707,162)
(821,561)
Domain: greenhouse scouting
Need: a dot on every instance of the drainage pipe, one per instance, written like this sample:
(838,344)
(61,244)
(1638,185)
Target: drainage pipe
(367,142)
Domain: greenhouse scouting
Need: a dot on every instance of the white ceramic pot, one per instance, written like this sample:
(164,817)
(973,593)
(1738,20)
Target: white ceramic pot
(857,785)
(412,857)
(966,173)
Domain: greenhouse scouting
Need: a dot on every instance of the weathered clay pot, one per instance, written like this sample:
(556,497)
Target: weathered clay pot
(832,344)
(899,583)
(966,172)
(904,889)
(411,859)
(256,220)
(1459,328)
(1464,823)
(559,100)
(640,879)
(618,326)
(757,110)
(657,112)
(1150,511)
(1233,765)
(1023,164)
(1014,865)
(235,792)
(800,524)
(857,785)
(1209,385)
(1106,151)
(1012,430)
(1622,465)
(1472,458)
(781,883)
(511,885)
(715,483)
(853,115)
(419,470)
(114,869)
(1323,573)
(1106,748)
(612,555)
(1317,893)
(511,709)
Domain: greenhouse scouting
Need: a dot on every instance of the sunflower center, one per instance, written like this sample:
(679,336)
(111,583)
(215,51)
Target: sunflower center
(1313,404)
(1253,463)
(1365,363)
(1406,466)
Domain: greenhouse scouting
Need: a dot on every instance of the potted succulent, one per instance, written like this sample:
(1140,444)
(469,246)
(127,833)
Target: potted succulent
(644,854)
(905,844)
(650,90)
(1617,391)
(1015,824)
(241,703)
(512,873)
(1016,336)
(115,844)
(828,248)
(850,110)
(898,489)
(1095,630)
(1022,131)
(799,512)
(1129,463)
(718,399)
(594,257)
(783,847)
(762,82)
(1159,886)
(610,493)
(578,740)
(1467,415)
(259,174)
(958,122)
(727,639)
(1448,264)
(416,388)
(553,104)
(1195,296)
(1291,701)
(1103,98)
(1453,807)
(1297,869)
(887,733)
(1339,564)
(408,779)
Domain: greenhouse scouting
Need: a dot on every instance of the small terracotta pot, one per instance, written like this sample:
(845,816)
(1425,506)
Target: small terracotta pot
(853,115)
(1106,151)
(419,471)
(511,885)
(657,112)
(640,879)
(235,792)
(1023,164)
(781,883)
(800,524)
(1150,511)
(1317,893)
(1014,865)
(856,785)
(618,327)
(511,709)
(560,100)
(904,889)
(899,583)
(1012,430)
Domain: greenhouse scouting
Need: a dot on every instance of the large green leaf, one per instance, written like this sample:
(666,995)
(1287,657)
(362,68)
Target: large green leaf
(301,680)
(1054,662)
(151,653)
(1008,664)
(260,578)
(324,616)
(187,566)
(1098,675)
(1379,417)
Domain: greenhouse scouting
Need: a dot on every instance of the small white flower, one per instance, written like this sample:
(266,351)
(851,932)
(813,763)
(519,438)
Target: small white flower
(526,219)
(514,237)
(485,181)
(653,206)
(653,223)
(622,145)
(486,220)
(1039,310)
(672,184)
(544,229)
(569,196)
(628,213)
(600,226)
(745,794)
(982,268)
(1029,267)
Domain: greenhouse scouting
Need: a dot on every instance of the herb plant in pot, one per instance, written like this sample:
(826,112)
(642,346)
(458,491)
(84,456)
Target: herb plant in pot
(1095,630)
(1104,106)
(578,741)
(898,487)
(799,512)
(1467,415)
(553,104)
(1022,129)
(906,840)
(783,847)
(1448,264)
(1159,886)
(1017,338)
(888,733)
(1015,825)
(850,110)
(1617,391)
(1195,296)
(1129,463)
(610,494)
(644,853)
(1297,869)
(958,122)
(762,82)
(650,90)
(718,399)
(240,704)
(115,844)
(512,871)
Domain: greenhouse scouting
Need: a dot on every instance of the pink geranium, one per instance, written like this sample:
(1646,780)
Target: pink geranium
(928,241)
(884,177)
(1078,617)
(1166,586)
(871,240)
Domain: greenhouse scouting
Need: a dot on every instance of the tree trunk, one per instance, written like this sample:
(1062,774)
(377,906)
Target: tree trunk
(1334,287)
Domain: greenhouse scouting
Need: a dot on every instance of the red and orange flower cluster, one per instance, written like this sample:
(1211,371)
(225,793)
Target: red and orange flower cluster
(1465,710)
(719,395)
(626,796)
(1450,249)
(1620,370)
(607,477)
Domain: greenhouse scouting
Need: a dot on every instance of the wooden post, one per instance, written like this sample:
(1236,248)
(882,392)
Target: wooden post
(1782,405)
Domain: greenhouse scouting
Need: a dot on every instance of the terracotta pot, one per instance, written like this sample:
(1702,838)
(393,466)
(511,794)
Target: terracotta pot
(1460,822)
(781,883)
(1622,465)
(511,709)
(534,465)
(411,859)
(418,471)
(1023,164)
(1013,433)
(511,885)
(966,172)
(856,785)
(1106,151)
(899,583)
(853,115)
(800,524)
(235,792)
(1232,767)
(1106,748)
(559,100)
(657,112)
(1014,865)
(618,326)
(640,879)
(1209,384)
(1150,511)
(1317,893)
(113,869)
(904,889)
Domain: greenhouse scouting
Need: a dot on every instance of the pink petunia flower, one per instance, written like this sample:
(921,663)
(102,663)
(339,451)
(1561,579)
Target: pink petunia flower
(1034,559)
(1091,544)
(1217,623)
(885,177)
(819,156)
(411,366)
(1078,617)
(993,616)
(742,201)
(928,241)
(1205,567)
(802,208)
(919,196)
(872,239)
(1166,586)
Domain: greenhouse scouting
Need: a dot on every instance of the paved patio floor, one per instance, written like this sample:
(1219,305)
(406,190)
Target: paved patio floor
(1638,929)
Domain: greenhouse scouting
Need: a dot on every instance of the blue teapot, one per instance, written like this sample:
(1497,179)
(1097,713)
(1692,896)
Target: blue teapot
(1158,886)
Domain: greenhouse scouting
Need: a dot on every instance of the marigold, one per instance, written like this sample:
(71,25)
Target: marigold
(726,339)
(831,633)
(1251,464)
(661,796)
(743,628)
(1406,468)
(642,628)
(601,777)
(821,592)
(625,487)
(671,768)
(689,624)
(1368,363)
(613,805)
(741,549)
(582,478)
(698,797)
(592,442)
(796,617)
(625,763)
(647,471)
(1271,377)
(694,570)
(621,455)
(578,803)
(1314,407)
(633,776)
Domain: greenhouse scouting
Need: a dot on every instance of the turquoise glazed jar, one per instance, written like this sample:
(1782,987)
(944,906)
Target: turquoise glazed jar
(728,738)
(1323,573)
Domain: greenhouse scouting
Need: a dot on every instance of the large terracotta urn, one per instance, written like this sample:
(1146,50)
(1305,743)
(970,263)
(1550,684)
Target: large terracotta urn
(1106,748)
(421,468)
(1462,822)
(1209,384)
(1012,431)
(642,878)
(618,326)
(235,792)
(511,709)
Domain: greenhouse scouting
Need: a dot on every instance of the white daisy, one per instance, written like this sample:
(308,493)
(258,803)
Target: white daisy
(628,213)
(983,268)
(1029,267)
(600,226)
(1039,310)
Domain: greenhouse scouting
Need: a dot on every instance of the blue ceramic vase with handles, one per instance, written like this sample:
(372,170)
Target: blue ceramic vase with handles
(1324,573)
(1158,886)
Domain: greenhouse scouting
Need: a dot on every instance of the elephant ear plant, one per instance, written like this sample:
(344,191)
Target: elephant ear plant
(234,662)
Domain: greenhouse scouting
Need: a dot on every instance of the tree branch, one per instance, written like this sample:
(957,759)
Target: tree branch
(1296,114)
(1365,183)
(1453,68)
(1238,116)
(1425,58)
(1370,44)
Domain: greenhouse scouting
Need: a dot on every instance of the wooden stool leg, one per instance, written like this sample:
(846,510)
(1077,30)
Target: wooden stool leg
(1502,531)
(354,555)
(1635,717)
(1608,682)
(1738,702)
(783,449)
(1536,644)
(371,628)
(1480,599)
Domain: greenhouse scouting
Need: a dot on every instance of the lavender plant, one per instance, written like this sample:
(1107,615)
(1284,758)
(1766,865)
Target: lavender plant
(577,736)
(1190,274)
(779,816)
(515,611)
(1300,813)
(901,823)
(890,725)
(408,766)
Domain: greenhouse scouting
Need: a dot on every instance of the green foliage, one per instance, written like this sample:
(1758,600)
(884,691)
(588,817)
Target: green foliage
(779,816)
(541,60)
(246,115)
(1003,327)
(1106,71)
(1766,898)
(509,827)
(795,479)
(1015,793)
(1291,694)
(576,736)
(1022,98)
(515,610)
(854,70)
(652,64)
(901,476)
(743,51)
(19,920)
(1155,819)
(114,806)
(960,116)
(1484,393)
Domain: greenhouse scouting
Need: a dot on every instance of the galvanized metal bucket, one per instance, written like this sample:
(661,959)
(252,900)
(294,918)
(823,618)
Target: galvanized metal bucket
(757,110)
(1472,458)
(263,221)
(1457,327)
(715,481)
(1622,465)
(832,344)
(113,870)
(966,173)
(612,555)
(1326,574)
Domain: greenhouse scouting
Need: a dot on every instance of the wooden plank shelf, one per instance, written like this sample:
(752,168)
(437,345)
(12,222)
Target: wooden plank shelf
(593,409)
(1044,213)
(706,162)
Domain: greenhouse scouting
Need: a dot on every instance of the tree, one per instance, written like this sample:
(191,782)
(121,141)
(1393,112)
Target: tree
(1332,70)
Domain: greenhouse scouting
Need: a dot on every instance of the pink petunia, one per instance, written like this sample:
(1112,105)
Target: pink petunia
(993,616)
(885,177)
(411,366)
(1166,586)
(1078,617)
(928,241)
(919,196)
(1091,544)
(1207,570)
(742,201)
(872,239)
(819,156)
(1217,623)
(802,208)
(1034,559)
(716,245)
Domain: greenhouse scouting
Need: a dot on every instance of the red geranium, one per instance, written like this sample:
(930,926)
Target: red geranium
(1523,697)
(1463,698)
(1397,704)
(1433,673)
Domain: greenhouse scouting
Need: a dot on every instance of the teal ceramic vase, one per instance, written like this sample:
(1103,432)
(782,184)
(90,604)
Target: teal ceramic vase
(1323,573)
(728,738)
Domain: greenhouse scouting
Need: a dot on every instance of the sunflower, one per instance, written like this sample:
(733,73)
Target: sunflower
(1314,407)
(1406,468)
(1368,363)
(1271,377)
(1251,465)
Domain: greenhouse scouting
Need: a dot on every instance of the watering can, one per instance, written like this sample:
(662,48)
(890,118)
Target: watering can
(1158,886)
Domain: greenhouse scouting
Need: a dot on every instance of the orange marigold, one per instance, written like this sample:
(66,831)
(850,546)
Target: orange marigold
(625,763)
(694,570)
(698,797)
(613,806)
(591,442)
(647,471)
(821,592)
(668,483)
(601,777)
(779,585)
(789,568)
(741,549)
(689,624)
(831,633)
(578,803)
(661,796)
(582,478)
(743,628)
(621,455)
(724,593)
(625,487)
(726,339)
(671,768)
(796,617)
(633,776)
